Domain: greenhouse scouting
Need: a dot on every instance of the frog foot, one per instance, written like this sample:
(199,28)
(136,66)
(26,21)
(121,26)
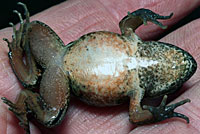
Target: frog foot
(20,112)
(163,112)
(148,15)
(17,43)
(20,57)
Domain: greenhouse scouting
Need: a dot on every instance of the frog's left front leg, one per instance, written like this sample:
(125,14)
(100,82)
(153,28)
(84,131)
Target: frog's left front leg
(150,114)
(141,16)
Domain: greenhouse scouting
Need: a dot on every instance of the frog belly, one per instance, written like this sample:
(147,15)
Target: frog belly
(98,96)
(101,68)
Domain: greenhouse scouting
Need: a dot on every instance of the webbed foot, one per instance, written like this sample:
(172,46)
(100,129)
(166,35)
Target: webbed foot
(20,57)
(141,16)
(147,15)
(20,112)
(163,112)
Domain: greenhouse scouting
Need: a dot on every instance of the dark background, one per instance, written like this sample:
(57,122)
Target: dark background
(34,6)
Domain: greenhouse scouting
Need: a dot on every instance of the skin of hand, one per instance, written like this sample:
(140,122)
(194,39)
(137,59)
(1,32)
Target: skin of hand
(74,18)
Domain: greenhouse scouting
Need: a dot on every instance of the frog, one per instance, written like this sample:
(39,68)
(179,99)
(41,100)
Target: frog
(100,68)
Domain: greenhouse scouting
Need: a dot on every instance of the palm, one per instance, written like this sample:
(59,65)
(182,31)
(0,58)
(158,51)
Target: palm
(83,17)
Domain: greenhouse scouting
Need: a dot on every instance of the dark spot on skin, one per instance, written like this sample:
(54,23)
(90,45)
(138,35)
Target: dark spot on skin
(86,48)
(127,52)
(122,38)
(82,37)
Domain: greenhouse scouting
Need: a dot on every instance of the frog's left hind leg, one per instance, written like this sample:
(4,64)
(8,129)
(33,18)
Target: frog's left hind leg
(141,16)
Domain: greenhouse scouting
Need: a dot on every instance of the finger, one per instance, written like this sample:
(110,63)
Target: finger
(179,8)
(72,19)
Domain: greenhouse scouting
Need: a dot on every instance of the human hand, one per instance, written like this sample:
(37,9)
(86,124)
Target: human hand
(74,18)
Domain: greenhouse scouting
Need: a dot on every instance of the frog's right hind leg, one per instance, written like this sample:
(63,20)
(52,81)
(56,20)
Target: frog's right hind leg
(20,57)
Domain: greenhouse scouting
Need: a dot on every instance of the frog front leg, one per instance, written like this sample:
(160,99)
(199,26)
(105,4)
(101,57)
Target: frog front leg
(137,18)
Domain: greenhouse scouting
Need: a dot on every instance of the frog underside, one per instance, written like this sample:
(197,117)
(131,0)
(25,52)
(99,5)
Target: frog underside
(105,68)
(101,68)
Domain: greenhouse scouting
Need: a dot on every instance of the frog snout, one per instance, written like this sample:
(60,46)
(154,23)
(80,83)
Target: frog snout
(192,65)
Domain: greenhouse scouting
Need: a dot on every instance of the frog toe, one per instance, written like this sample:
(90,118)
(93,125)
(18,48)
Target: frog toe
(25,126)
(19,35)
(8,102)
(163,112)
(27,14)
(12,106)
(20,112)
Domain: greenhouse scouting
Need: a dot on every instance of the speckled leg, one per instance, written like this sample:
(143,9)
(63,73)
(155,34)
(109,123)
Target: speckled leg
(20,57)
(149,114)
(136,113)
(163,112)
(141,16)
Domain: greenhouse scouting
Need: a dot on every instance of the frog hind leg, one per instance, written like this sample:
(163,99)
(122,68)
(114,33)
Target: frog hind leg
(55,94)
(138,115)
(50,106)
(20,57)
(20,110)
(149,114)
(163,111)
(141,16)
(45,107)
